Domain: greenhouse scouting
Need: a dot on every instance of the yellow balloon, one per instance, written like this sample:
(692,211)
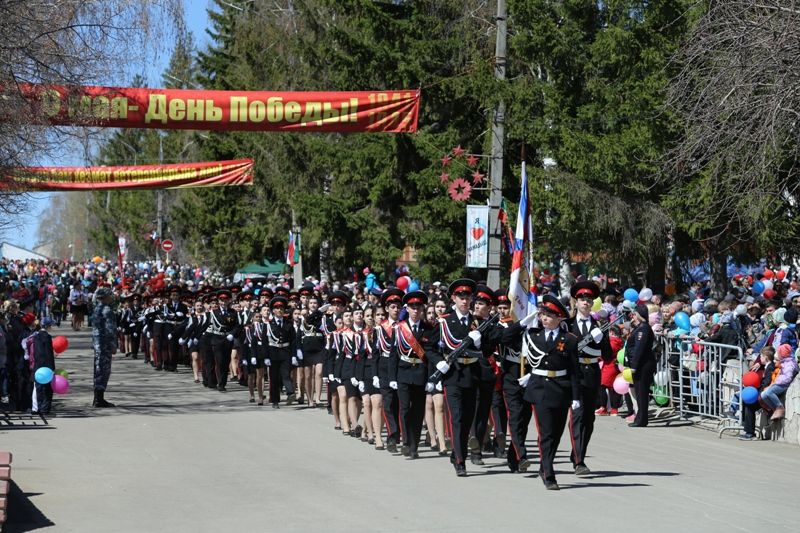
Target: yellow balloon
(97,259)
(627,375)
(597,304)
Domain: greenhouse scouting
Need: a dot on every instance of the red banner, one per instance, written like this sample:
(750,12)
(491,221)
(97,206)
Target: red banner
(177,176)
(121,107)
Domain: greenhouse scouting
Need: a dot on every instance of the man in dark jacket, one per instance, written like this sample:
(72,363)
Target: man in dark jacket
(643,362)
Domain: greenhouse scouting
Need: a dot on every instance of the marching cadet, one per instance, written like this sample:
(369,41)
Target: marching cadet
(552,384)
(408,370)
(256,341)
(391,299)
(583,326)
(499,418)
(220,332)
(281,349)
(312,344)
(349,345)
(126,320)
(366,372)
(173,313)
(462,378)
(136,325)
(336,303)
(189,338)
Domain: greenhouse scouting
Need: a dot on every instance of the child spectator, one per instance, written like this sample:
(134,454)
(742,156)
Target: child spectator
(764,366)
(609,400)
(43,357)
(786,367)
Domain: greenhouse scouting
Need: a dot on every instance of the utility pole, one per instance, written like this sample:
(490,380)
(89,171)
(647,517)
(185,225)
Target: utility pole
(298,267)
(159,197)
(498,139)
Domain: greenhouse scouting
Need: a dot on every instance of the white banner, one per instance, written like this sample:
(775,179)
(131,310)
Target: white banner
(123,248)
(477,236)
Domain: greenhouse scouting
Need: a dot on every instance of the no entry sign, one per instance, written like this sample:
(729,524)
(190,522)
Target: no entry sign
(167,245)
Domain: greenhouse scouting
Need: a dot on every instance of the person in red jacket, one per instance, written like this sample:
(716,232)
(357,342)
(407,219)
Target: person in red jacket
(608,398)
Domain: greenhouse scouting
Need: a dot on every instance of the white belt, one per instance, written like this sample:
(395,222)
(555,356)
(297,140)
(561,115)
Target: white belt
(410,360)
(385,355)
(466,360)
(281,345)
(591,351)
(588,360)
(549,373)
(512,358)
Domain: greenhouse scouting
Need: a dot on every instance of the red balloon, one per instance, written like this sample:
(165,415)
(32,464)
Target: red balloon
(403,282)
(60,344)
(768,273)
(769,294)
(749,280)
(780,274)
(697,348)
(751,379)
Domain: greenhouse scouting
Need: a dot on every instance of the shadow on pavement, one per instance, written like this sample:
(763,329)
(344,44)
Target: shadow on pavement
(23,515)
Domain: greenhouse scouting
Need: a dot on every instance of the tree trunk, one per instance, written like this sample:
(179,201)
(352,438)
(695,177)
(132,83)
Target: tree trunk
(719,275)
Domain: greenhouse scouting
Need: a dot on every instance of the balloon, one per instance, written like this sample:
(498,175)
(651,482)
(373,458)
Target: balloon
(621,386)
(621,356)
(597,304)
(758,288)
(632,295)
(749,395)
(627,374)
(769,294)
(780,274)
(768,273)
(60,344)
(660,396)
(60,384)
(767,284)
(661,378)
(97,259)
(61,372)
(697,348)
(751,379)
(646,294)
(403,282)
(43,376)
(413,286)
(669,289)
(682,321)
(620,367)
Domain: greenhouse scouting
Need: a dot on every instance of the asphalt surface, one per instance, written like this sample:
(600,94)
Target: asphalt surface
(176,457)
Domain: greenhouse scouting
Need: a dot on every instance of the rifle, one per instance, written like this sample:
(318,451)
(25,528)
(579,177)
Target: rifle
(465,345)
(587,339)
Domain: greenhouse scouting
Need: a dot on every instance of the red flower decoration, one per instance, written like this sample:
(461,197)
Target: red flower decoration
(444,177)
(472,160)
(446,160)
(477,177)
(460,190)
(458,151)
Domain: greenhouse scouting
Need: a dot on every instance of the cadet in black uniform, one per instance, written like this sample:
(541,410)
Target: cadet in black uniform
(553,384)
(172,314)
(313,346)
(280,333)
(583,326)
(220,332)
(462,379)
(484,300)
(408,369)
(391,299)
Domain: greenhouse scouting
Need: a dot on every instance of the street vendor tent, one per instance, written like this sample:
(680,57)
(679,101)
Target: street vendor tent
(260,270)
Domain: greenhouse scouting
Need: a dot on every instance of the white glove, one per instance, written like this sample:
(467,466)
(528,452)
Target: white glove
(267,362)
(529,319)
(442,367)
(330,377)
(376,382)
(576,405)
(148,335)
(338,380)
(229,337)
(523,381)
(299,354)
(244,362)
(361,387)
(597,335)
(294,361)
(253,361)
(324,308)
(27,358)
(393,385)
(439,386)
(178,314)
(429,387)
(475,335)
(354,382)
(181,341)
(325,379)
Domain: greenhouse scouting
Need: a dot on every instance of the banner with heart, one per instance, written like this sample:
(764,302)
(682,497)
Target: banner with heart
(477,236)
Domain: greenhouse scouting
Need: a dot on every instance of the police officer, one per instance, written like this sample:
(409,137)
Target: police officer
(280,351)
(408,370)
(104,341)
(552,384)
(643,363)
(461,379)
(391,299)
(598,348)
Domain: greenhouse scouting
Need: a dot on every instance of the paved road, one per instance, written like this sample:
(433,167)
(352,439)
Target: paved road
(175,457)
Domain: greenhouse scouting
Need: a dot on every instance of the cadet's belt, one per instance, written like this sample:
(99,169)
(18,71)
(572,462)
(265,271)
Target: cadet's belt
(466,360)
(410,360)
(512,358)
(279,345)
(588,360)
(594,352)
(313,334)
(549,373)
(384,354)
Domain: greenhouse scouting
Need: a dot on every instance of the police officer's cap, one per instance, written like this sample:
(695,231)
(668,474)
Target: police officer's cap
(484,294)
(585,288)
(278,302)
(392,295)
(553,306)
(463,287)
(415,297)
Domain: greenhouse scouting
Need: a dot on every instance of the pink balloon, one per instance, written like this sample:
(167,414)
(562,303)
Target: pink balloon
(621,386)
(60,384)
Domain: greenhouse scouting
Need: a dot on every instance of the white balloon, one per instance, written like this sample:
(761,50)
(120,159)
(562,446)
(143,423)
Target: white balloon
(767,284)
(662,378)
(645,294)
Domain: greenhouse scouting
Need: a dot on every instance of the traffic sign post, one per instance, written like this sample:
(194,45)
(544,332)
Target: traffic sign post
(167,245)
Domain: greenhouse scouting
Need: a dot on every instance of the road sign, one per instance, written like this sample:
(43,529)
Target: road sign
(167,245)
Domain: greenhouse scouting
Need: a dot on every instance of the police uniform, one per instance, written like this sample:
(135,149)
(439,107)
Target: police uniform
(280,350)
(582,420)
(104,342)
(553,383)
(385,339)
(639,352)
(408,371)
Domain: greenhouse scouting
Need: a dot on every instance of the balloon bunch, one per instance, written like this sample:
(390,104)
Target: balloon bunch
(750,382)
(404,281)
(59,378)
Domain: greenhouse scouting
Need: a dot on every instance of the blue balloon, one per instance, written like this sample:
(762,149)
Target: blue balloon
(682,321)
(413,286)
(758,288)
(632,295)
(749,395)
(43,376)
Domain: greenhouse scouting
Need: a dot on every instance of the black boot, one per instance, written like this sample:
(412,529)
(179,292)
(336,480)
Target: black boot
(99,399)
